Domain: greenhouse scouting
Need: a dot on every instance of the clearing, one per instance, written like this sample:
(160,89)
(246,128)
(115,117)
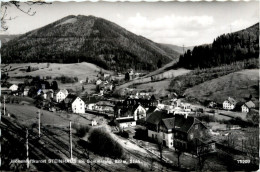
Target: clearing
(238,85)
(80,70)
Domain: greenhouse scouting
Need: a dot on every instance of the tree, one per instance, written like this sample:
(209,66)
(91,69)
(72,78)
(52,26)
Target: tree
(54,85)
(159,63)
(87,79)
(179,150)
(28,69)
(127,77)
(4,73)
(160,147)
(24,7)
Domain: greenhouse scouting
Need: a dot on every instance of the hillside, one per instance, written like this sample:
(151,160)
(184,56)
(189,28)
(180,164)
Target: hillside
(90,39)
(176,48)
(238,85)
(55,70)
(225,49)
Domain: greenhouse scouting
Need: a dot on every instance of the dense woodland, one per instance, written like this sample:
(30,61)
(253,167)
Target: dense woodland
(225,49)
(87,38)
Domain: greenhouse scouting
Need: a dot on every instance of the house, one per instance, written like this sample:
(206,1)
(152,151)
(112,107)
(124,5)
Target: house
(26,90)
(145,101)
(47,93)
(109,87)
(104,106)
(125,123)
(186,129)
(212,104)
(139,112)
(106,75)
(60,95)
(247,106)
(99,81)
(13,87)
(91,106)
(74,103)
(186,107)
(178,132)
(150,110)
(229,104)
(93,122)
(152,123)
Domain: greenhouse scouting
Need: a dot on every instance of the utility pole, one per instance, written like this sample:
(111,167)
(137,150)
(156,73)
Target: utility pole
(39,120)
(4,105)
(70,142)
(27,149)
(183,49)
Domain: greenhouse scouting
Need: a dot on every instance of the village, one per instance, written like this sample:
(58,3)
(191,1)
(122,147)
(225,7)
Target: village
(146,120)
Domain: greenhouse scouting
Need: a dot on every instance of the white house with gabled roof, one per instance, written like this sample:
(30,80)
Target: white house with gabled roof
(247,106)
(76,104)
(60,95)
(229,104)
(13,87)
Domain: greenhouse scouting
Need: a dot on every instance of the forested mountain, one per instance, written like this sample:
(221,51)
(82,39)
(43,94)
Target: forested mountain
(86,38)
(225,49)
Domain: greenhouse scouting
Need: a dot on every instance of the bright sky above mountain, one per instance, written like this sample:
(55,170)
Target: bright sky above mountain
(178,23)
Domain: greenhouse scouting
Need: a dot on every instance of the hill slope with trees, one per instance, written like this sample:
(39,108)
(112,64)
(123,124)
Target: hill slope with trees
(225,49)
(90,39)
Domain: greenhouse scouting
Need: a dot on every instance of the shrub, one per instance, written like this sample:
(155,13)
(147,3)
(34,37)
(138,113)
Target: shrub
(81,130)
(104,144)
(65,79)
(124,134)
(48,77)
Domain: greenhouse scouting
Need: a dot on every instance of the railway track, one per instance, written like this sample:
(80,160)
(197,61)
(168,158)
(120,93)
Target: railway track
(56,146)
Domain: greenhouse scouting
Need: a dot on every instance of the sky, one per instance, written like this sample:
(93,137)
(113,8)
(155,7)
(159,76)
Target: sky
(177,23)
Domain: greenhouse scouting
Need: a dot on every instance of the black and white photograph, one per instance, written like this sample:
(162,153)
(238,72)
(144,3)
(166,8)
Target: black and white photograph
(129,86)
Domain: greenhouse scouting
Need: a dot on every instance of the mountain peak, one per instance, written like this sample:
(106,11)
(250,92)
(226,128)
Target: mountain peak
(87,38)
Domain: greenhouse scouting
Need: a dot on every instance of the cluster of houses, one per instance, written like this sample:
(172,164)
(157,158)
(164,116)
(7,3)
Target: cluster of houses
(104,84)
(232,104)
(171,122)
(51,99)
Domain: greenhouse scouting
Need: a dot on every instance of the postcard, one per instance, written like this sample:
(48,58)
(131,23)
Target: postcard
(129,86)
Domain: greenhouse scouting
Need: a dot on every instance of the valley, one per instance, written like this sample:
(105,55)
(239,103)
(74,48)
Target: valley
(83,93)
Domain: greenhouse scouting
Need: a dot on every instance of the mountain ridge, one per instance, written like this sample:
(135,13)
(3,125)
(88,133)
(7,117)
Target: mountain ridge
(87,38)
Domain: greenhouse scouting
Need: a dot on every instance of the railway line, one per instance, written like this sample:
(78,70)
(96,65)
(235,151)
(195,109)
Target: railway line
(55,145)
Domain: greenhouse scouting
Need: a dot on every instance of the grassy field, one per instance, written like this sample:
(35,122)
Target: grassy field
(80,70)
(27,115)
(160,87)
(238,85)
